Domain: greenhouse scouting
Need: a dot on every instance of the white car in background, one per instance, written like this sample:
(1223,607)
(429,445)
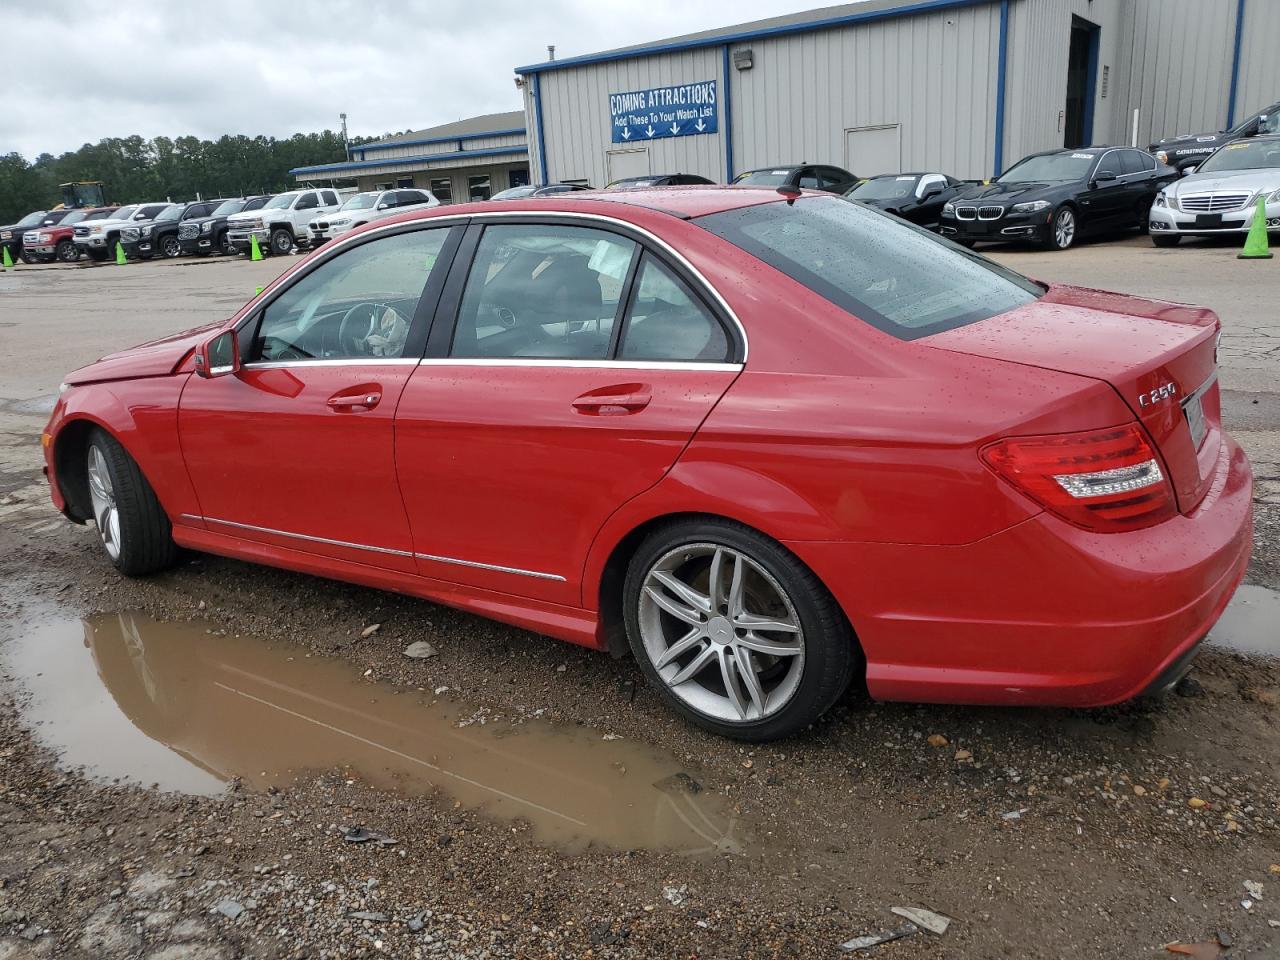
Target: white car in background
(367,207)
(1221,195)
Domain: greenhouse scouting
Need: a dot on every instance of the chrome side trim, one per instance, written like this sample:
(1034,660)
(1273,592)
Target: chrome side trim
(387,550)
(307,537)
(333,362)
(491,566)
(591,364)
(427,222)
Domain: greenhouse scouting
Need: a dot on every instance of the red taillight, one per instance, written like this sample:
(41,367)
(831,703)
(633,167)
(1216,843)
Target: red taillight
(1104,480)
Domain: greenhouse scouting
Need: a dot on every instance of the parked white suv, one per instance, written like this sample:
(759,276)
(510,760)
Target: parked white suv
(367,207)
(282,222)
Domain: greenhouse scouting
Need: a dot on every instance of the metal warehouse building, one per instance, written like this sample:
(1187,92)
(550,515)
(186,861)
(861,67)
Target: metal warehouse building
(962,86)
(467,160)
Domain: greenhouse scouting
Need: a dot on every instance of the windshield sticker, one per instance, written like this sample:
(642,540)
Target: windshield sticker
(1205,139)
(1082,156)
(1237,146)
(906,178)
(778,173)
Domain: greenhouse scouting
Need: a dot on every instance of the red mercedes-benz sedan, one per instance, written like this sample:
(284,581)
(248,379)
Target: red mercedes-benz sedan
(768,442)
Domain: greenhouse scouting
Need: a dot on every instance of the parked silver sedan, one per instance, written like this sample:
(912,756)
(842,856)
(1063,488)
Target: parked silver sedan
(1221,195)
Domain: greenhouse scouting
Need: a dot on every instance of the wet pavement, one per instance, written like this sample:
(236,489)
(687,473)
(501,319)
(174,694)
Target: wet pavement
(1251,622)
(123,697)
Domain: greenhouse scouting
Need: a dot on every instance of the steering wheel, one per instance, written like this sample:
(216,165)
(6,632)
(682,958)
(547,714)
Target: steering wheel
(354,329)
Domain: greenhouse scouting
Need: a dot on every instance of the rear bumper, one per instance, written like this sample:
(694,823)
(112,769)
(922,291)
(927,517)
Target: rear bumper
(1043,612)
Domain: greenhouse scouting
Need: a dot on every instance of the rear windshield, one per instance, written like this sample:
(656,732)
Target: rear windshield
(893,275)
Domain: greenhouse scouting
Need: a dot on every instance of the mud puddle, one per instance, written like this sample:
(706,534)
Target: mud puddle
(124,697)
(1251,622)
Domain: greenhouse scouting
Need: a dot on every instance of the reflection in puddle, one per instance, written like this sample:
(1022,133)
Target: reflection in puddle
(129,698)
(1251,622)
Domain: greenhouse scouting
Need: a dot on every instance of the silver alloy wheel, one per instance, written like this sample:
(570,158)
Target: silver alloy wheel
(172,247)
(721,632)
(106,515)
(1064,228)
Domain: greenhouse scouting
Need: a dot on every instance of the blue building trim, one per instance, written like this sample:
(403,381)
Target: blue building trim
(328,168)
(392,145)
(906,10)
(1002,64)
(1235,65)
(537,124)
(727,93)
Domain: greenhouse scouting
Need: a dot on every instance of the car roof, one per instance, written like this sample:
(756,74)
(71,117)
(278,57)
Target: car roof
(685,202)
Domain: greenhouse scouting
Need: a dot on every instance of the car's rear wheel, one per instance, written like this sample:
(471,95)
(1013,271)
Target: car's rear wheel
(170,246)
(734,632)
(133,527)
(281,241)
(1062,229)
(66,251)
(1165,239)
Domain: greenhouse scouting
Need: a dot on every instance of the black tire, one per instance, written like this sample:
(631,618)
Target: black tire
(1065,224)
(281,241)
(96,255)
(1166,239)
(831,652)
(27,256)
(66,251)
(145,534)
(170,246)
(225,246)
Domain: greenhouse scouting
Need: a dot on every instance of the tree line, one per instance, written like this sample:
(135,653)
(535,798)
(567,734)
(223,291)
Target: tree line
(133,169)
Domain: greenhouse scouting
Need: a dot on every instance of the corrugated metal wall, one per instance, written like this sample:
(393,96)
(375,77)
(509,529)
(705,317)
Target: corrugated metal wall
(1259,80)
(933,74)
(1175,66)
(372,152)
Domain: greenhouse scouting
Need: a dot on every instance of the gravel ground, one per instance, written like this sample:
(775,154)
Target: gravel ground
(1043,833)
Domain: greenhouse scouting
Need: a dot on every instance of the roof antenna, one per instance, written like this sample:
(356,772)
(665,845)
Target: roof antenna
(551,51)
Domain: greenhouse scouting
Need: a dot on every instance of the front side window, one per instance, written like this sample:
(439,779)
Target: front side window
(357,305)
(308,201)
(542,291)
(893,275)
(667,322)
(330,198)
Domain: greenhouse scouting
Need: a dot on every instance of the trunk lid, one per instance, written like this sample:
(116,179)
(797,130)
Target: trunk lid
(1160,357)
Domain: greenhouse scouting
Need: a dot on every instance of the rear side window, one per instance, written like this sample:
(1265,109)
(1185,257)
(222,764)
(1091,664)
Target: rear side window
(893,275)
(667,322)
(1131,162)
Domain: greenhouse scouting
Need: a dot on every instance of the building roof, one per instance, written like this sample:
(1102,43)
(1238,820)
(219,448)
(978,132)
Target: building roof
(844,14)
(423,161)
(490,124)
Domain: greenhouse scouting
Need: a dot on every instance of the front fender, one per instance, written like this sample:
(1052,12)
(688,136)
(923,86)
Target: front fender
(143,416)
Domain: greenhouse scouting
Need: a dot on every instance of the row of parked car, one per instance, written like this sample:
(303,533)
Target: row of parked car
(279,222)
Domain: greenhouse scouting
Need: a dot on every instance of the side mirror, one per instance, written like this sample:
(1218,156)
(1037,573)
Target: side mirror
(1104,176)
(218,356)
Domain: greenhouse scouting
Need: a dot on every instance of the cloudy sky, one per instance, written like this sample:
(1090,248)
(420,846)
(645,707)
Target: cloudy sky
(77,72)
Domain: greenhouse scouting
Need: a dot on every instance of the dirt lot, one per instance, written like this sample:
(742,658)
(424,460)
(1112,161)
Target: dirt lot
(542,802)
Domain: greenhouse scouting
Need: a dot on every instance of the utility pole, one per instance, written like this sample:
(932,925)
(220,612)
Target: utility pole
(346,144)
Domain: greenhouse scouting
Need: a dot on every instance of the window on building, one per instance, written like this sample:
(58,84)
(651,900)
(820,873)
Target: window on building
(404,181)
(478,188)
(382,186)
(442,189)
(518,178)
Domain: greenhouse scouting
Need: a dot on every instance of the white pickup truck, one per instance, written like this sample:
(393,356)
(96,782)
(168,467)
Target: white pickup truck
(367,207)
(282,223)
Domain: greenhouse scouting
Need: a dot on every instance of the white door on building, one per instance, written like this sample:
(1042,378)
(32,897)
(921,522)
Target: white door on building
(869,151)
(628,163)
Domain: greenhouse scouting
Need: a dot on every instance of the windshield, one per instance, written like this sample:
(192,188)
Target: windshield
(227,207)
(891,274)
(31,219)
(764,178)
(883,188)
(169,213)
(124,213)
(361,201)
(100,215)
(75,216)
(1243,155)
(149,211)
(257,203)
(281,202)
(1049,168)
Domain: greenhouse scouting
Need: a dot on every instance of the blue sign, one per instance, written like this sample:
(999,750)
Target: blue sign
(686,110)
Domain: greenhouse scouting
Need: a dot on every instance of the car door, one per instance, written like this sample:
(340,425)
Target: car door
(1140,181)
(1103,202)
(296,449)
(574,367)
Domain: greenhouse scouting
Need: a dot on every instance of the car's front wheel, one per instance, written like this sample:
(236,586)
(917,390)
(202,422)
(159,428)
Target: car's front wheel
(28,256)
(67,252)
(1062,229)
(170,246)
(225,246)
(281,241)
(133,527)
(734,632)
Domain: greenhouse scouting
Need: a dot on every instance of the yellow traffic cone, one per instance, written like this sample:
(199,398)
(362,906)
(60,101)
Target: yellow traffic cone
(1255,244)
(120,257)
(255,252)
(8,260)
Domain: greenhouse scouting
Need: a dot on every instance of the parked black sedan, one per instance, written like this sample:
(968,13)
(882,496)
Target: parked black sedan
(918,197)
(1056,197)
(1188,149)
(806,176)
(205,235)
